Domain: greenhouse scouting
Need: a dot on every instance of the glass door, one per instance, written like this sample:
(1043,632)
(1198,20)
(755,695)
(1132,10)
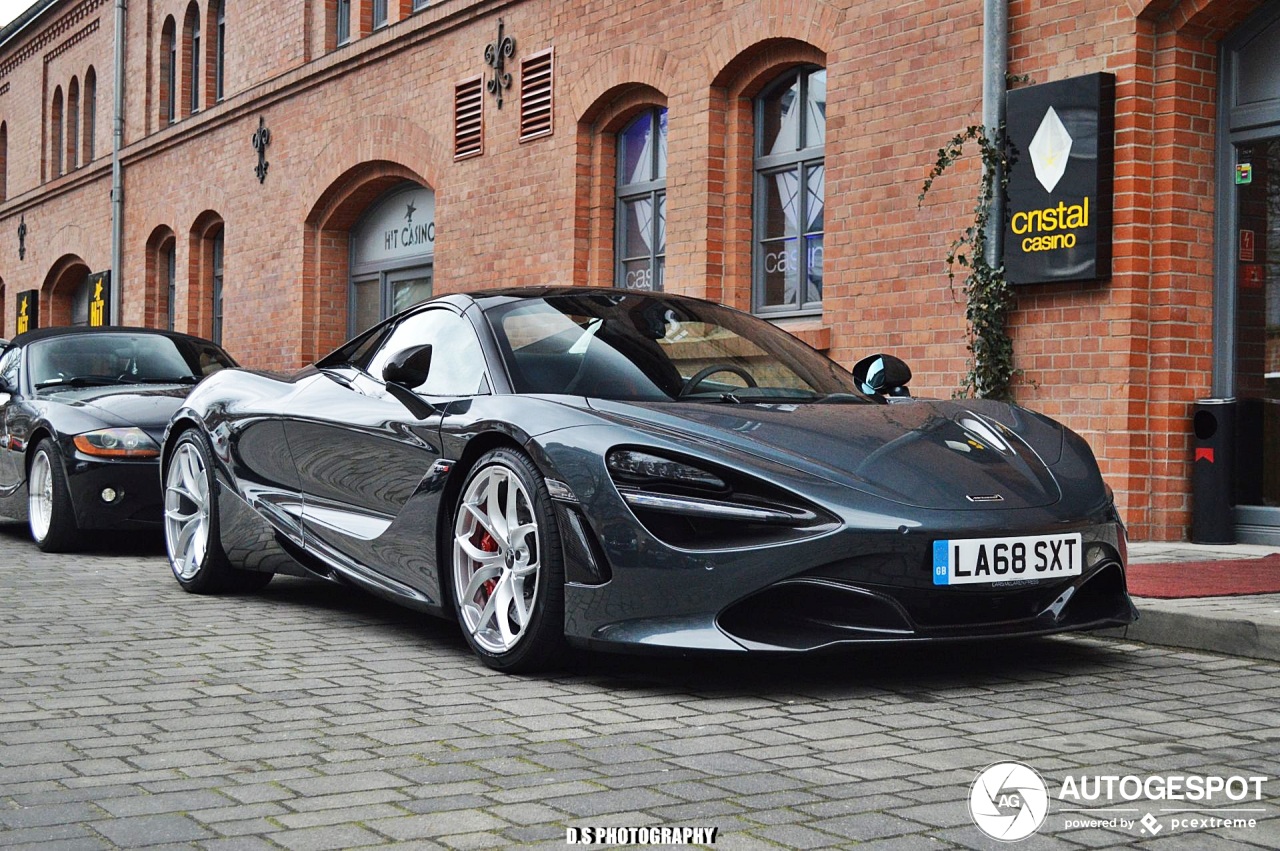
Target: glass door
(1257,321)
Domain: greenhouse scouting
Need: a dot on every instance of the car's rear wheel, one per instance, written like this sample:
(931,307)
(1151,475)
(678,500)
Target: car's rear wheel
(50,513)
(191,534)
(508,569)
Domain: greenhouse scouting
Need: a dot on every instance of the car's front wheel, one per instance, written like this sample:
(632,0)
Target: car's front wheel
(191,535)
(508,569)
(50,513)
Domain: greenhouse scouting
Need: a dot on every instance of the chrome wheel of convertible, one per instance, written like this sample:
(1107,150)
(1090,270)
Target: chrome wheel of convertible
(507,576)
(40,496)
(50,511)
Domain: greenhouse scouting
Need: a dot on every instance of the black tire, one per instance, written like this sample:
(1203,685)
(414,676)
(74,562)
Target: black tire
(53,527)
(499,638)
(191,523)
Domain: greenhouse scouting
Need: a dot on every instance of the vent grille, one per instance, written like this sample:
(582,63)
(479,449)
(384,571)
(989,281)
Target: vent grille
(536,73)
(468,119)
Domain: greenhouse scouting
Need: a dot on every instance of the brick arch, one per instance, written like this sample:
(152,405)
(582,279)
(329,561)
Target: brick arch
(375,139)
(64,277)
(327,249)
(757,25)
(615,73)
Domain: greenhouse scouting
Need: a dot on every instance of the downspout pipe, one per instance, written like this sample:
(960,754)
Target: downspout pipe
(995,73)
(117,171)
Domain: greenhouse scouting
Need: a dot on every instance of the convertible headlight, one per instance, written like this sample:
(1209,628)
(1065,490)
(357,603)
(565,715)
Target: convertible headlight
(637,467)
(117,443)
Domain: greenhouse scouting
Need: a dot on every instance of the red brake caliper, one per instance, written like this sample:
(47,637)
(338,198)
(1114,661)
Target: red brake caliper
(489,545)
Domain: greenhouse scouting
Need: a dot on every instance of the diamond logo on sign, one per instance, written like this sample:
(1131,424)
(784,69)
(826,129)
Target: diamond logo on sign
(1050,150)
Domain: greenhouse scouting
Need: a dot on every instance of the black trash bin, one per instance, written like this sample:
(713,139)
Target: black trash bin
(1213,471)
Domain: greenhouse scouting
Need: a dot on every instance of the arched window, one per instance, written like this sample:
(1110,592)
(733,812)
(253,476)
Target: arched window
(90,126)
(205,277)
(641,219)
(790,140)
(73,125)
(191,46)
(219,16)
(169,71)
(169,280)
(55,134)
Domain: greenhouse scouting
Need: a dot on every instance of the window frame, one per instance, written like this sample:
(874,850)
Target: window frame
(764,167)
(654,189)
(217,249)
(342,23)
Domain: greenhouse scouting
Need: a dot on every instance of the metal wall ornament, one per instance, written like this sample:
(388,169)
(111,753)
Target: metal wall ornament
(261,138)
(22,238)
(496,56)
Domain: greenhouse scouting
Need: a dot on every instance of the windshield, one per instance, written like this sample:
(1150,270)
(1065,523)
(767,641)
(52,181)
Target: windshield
(645,347)
(98,359)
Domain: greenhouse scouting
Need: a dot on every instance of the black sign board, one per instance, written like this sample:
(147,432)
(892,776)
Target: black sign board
(1058,222)
(99,284)
(28,311)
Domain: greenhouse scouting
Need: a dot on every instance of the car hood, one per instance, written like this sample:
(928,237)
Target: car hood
(940,455)
(148,408)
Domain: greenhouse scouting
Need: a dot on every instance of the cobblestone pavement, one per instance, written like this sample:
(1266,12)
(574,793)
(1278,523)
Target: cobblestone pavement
(307,717)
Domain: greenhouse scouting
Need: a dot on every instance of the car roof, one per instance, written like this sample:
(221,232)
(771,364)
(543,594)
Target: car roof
(78,330)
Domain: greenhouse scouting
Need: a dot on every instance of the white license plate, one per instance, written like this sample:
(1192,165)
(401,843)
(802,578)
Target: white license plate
(966,561)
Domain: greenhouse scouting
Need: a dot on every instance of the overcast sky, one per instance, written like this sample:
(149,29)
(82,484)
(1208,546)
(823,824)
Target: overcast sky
(10,9)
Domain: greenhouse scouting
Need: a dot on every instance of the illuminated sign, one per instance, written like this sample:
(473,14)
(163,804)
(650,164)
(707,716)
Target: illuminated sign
(28,311)
(1058,223)
(99,284)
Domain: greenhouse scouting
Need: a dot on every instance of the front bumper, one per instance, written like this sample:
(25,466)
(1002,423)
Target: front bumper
(139,501)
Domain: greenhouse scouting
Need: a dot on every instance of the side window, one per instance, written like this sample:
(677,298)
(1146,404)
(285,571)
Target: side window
(9,366)
(457,361)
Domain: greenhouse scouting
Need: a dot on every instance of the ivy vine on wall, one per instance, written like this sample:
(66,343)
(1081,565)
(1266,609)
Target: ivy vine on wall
(989,298)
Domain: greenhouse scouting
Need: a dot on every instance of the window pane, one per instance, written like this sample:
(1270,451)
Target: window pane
(637,227)
(367,307)
(781,277)
(635,151)
(781,211)
(815,178)
(779,122)
(662,223)
(816,117)
(379,12)
(662,145)
(813,261)
(407,293)
(637,275)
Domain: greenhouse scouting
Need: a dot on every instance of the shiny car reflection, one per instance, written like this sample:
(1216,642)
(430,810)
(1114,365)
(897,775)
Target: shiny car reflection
(82,414)
(616,470)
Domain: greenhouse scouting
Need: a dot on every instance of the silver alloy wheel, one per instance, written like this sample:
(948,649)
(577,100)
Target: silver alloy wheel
(186,511)
(40,496)
(495,558)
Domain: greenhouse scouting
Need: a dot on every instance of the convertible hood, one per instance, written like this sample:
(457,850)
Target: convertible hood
(148,408)
(939,455)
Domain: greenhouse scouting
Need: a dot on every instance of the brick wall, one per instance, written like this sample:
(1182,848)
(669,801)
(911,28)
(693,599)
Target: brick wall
(1119,361)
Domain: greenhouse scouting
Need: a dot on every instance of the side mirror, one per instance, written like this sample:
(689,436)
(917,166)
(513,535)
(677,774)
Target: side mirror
(409,367)
(882,375)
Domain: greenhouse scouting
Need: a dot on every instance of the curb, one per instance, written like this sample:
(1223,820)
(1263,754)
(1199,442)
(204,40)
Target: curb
(1163,622)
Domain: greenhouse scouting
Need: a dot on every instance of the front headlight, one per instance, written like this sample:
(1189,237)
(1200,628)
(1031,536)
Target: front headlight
(117,443)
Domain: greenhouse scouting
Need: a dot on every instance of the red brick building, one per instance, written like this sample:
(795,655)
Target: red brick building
(690,146)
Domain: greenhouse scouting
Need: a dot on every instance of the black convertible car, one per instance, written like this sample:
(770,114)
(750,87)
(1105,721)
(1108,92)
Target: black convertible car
(621,470)
(82,414)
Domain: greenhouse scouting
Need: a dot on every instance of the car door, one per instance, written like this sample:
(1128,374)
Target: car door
(12,468)
(362,453)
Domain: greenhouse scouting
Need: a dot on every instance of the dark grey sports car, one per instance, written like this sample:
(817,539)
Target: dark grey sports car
(634,471)
(82,414)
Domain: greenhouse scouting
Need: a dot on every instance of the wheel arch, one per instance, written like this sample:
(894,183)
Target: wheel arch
(38,436)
